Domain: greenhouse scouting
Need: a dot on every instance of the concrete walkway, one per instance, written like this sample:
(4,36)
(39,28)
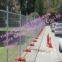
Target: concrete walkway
(40,52)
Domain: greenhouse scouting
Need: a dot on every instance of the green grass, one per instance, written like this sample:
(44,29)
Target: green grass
(12,53)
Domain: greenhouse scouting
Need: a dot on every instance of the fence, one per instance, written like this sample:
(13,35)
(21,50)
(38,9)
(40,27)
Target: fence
(10,24)
(16,31)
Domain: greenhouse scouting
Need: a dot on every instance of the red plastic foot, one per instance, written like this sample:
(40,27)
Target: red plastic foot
(34,40)
(27,50)
(20,59)
(31,44)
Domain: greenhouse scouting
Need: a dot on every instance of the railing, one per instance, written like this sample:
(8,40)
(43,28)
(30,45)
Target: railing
(10,27)
(16,31)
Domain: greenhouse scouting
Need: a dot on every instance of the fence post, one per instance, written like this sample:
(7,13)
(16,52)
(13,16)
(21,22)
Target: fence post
(7,34)
(19,43)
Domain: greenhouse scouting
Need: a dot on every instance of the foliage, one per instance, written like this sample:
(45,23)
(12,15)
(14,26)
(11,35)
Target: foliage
(27,6)
(39,6)
(3,4)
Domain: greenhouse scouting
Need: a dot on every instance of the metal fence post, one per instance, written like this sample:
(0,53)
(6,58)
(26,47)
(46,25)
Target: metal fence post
(19,43)
(7,34)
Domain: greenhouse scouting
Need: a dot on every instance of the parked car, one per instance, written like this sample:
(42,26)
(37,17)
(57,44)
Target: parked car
(52,26)
(58,32)
(58,29)
(59,40)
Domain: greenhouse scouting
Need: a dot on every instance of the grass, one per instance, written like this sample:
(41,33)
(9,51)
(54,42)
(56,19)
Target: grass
(12,53)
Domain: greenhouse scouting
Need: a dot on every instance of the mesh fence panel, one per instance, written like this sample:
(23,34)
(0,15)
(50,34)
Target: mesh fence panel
(9,36)
(16,31)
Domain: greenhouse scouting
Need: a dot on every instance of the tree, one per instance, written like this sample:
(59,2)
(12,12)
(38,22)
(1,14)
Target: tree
(27,6)
(23,6)
(59,8)
(30,6)
(39,6)
(3,4)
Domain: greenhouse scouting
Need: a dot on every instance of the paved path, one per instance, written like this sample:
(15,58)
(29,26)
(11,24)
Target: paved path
(41,52)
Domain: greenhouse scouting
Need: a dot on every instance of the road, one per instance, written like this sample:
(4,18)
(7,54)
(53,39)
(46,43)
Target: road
(41,51)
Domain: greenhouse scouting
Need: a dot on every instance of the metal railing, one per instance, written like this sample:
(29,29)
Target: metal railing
(17,31)
(10,26)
